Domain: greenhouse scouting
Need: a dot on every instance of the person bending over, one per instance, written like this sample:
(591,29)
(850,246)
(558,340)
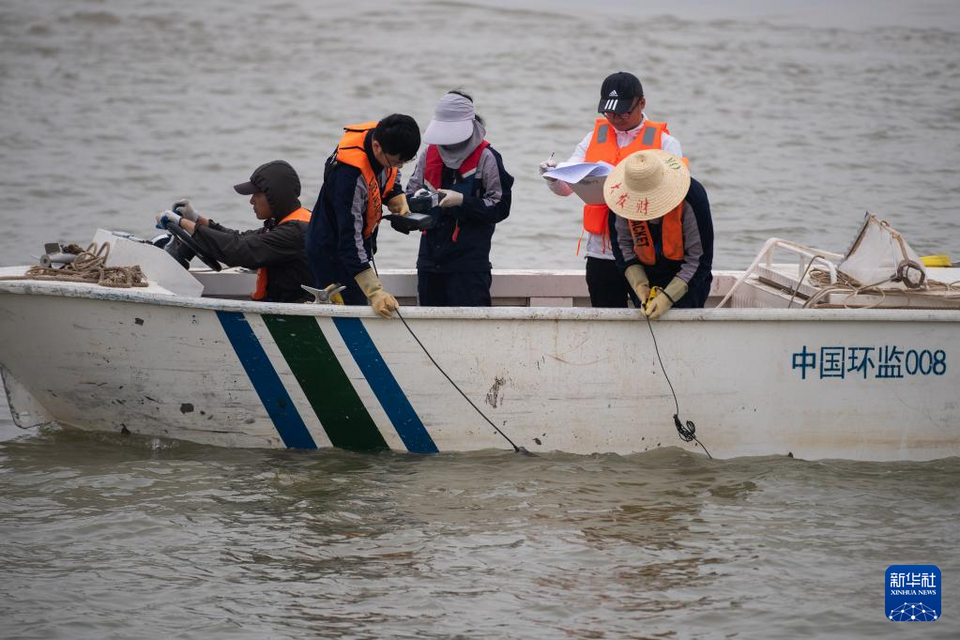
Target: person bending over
(661,230)
(360,176)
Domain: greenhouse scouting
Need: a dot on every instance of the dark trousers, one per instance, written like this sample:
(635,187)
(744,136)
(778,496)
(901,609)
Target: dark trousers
(467,289)
(608,288)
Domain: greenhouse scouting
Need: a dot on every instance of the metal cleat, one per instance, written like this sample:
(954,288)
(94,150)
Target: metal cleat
(328,295)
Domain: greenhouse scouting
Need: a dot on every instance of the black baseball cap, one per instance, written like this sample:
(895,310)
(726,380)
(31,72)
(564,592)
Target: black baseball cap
(618,92)
(261,178)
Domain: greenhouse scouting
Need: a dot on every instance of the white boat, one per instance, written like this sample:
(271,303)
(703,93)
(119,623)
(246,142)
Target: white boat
(191,357)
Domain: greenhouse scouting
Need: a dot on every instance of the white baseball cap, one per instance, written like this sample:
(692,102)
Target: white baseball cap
(452,121)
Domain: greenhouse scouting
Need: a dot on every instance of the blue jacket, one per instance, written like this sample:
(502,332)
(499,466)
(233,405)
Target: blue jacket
(336,248)
(461,240)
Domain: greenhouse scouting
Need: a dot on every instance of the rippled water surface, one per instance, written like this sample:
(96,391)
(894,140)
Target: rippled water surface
(106,536)
(797,117)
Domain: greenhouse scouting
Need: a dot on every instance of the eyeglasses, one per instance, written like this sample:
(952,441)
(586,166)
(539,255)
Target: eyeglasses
(394,161)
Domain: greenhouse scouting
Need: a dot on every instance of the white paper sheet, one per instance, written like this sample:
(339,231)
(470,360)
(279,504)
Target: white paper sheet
(590,190)
(574,172)
(585,178)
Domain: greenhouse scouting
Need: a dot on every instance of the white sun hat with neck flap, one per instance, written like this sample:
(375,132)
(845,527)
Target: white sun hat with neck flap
(452,121)
(646,185)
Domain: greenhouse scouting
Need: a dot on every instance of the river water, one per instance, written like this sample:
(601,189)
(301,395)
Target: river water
(798,118)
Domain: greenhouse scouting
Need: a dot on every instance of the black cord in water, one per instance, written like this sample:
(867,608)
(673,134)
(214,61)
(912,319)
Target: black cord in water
(440,369)
(688,431)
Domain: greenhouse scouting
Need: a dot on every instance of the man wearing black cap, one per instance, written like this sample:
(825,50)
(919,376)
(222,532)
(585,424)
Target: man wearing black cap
(276,250)
(622,130)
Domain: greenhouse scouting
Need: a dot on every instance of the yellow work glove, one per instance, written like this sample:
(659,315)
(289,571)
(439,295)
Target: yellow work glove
(398,204)
(637,278)
(665,298)
(381,301)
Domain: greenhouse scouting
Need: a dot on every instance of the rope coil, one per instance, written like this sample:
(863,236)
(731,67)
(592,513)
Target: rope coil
(821,278)
(89,266)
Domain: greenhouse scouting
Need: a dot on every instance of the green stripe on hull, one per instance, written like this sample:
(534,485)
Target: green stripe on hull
(324,382)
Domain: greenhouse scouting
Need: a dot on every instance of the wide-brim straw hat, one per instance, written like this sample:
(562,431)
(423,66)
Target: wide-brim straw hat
(646,185)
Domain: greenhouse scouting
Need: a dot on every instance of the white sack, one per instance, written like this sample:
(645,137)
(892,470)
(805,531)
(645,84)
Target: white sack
(881,257)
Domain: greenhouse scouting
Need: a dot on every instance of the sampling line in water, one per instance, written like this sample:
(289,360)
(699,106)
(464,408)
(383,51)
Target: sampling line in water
(686,431)
(516,448)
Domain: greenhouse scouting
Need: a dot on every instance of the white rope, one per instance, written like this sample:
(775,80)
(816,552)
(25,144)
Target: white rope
(821,279)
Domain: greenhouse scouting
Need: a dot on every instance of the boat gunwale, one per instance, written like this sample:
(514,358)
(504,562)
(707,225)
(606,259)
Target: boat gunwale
(96,292)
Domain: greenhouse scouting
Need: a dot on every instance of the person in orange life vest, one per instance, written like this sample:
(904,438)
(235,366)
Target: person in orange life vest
(623,129)
(275,250)
(360,175)
(453,266)
(661,230)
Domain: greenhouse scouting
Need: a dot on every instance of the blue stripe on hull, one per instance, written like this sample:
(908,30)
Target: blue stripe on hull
(265,380)
(405,420)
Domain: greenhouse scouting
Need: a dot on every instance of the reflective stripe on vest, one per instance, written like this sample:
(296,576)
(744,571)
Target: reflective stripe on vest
(350,150)
(603,147)
(300,215)
(671,237)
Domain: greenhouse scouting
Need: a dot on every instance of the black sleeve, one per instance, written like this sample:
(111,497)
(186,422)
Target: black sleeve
(219,227)
(476,209)
(252,249)
(697,199)
(395,191)
(622,263)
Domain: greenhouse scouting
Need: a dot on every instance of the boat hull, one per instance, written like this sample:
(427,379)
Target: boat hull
(864,385)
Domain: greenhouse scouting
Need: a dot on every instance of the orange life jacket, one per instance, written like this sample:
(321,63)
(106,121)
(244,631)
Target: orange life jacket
(671,237)
(300,215)
(603,147)
(350,151)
